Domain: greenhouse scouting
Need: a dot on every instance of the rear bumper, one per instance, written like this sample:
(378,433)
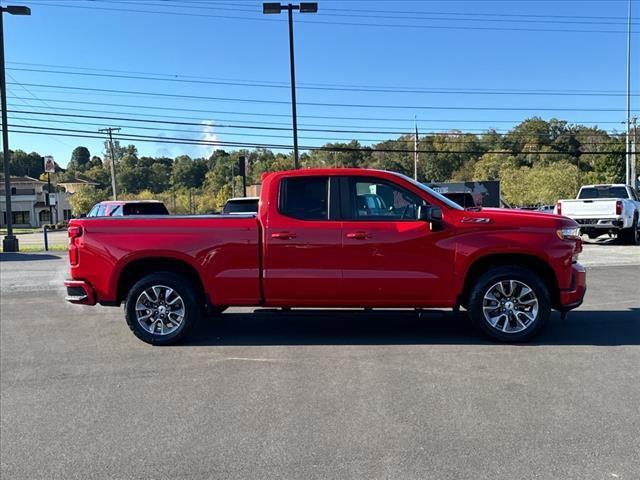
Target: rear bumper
(600,223)
(574,296)
(79,292)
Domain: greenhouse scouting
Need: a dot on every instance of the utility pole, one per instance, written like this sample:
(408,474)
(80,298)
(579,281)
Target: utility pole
(110,131)
(634,152)
(628,177)
(10,241)
(415,153)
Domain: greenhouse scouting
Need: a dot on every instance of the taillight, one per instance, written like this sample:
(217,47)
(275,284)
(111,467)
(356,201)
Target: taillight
(559,208)
(618,207)
(75,232)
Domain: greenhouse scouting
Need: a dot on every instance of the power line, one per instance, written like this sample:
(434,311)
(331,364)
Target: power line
(285,84)
(157,139)
(319,104)
(251,127)
(321,22)
(261,114)
(164,140)
(252,84)
(430,135)
(392,15)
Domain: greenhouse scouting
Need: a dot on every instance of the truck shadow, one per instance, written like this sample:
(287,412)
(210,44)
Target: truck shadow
(402,327)
(27,257)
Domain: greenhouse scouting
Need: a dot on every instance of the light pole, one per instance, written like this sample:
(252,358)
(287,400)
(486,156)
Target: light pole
(9,242)
(304,7)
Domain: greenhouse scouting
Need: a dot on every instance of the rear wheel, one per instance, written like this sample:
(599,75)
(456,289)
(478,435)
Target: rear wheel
(162,307)
(510,304)
(631,236)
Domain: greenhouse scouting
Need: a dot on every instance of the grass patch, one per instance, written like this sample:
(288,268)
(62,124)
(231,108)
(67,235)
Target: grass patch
(40,248)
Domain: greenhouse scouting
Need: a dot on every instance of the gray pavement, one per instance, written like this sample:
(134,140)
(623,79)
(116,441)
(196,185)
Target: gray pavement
(308,394)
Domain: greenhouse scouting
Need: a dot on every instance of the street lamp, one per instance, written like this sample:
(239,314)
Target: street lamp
(10,242)
(304,7)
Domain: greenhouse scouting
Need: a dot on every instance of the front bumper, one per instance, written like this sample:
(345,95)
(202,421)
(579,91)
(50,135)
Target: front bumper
(574,296)
(79,292)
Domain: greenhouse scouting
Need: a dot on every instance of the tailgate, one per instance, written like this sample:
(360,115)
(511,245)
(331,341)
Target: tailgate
(589,208)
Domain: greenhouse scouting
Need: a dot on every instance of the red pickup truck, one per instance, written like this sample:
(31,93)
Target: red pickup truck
(331,238)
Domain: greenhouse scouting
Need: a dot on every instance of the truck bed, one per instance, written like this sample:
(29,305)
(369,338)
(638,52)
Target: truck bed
(224,251)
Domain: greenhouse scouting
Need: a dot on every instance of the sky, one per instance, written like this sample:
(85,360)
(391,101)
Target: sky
(219,70)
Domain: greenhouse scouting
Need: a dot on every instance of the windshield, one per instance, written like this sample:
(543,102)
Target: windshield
(603,192)
(432,192)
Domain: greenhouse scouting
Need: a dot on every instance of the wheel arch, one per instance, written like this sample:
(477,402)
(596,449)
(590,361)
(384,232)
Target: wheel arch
(141,267)
(531,262)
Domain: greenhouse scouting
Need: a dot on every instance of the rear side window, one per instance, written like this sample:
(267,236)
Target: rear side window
(145,209)
(305,198)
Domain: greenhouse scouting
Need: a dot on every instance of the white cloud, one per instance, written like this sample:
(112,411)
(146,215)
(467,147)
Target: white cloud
(208,135)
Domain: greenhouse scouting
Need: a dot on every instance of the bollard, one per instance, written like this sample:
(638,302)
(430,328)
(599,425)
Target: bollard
(46,239)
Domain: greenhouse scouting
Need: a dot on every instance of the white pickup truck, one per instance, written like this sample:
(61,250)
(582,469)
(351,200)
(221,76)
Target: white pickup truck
(603,209)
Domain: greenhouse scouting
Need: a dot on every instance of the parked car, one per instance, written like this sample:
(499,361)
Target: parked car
(601,209)
(312,245)
(241,206)
(119,208)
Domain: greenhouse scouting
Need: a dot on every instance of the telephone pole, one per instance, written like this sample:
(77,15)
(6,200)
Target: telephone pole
(634,153)
(629,180)
(110,131)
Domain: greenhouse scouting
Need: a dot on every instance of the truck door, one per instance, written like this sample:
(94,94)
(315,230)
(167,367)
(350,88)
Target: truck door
(390,258)
(302,243)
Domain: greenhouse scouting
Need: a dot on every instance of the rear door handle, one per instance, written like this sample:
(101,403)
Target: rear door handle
(358,235)
(283,235)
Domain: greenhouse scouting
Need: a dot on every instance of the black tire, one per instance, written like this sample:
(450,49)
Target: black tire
(521,276)
(631,236)
(192,307)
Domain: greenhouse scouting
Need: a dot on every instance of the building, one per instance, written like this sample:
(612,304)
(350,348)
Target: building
(29,204)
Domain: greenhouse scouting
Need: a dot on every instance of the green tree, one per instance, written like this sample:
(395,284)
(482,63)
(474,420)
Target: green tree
(85,198)
(80,158)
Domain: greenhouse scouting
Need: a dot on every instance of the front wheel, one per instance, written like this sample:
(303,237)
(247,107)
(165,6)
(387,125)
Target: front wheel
(510,304)
(162,307)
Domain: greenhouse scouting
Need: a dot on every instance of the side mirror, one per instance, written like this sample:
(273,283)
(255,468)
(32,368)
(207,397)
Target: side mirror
(430,213)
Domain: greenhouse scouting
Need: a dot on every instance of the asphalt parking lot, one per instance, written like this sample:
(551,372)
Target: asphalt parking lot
(309,394)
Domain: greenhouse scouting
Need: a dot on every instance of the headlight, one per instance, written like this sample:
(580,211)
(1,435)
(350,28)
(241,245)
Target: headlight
(569,233)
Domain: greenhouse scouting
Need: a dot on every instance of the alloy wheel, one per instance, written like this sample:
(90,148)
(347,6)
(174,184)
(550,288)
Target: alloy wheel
(510,306)
(160,310)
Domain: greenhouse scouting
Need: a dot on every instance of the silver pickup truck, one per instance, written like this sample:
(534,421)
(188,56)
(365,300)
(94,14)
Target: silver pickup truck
(601,209)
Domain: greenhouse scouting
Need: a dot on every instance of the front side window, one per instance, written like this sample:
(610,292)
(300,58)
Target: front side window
(305,198)
(373,199)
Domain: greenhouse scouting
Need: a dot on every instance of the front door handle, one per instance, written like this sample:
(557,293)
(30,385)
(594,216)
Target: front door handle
(283,235)
(358,235)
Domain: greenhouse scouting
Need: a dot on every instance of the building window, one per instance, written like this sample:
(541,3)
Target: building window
(21,218)
(66,214)
(14,190)
(44,216)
